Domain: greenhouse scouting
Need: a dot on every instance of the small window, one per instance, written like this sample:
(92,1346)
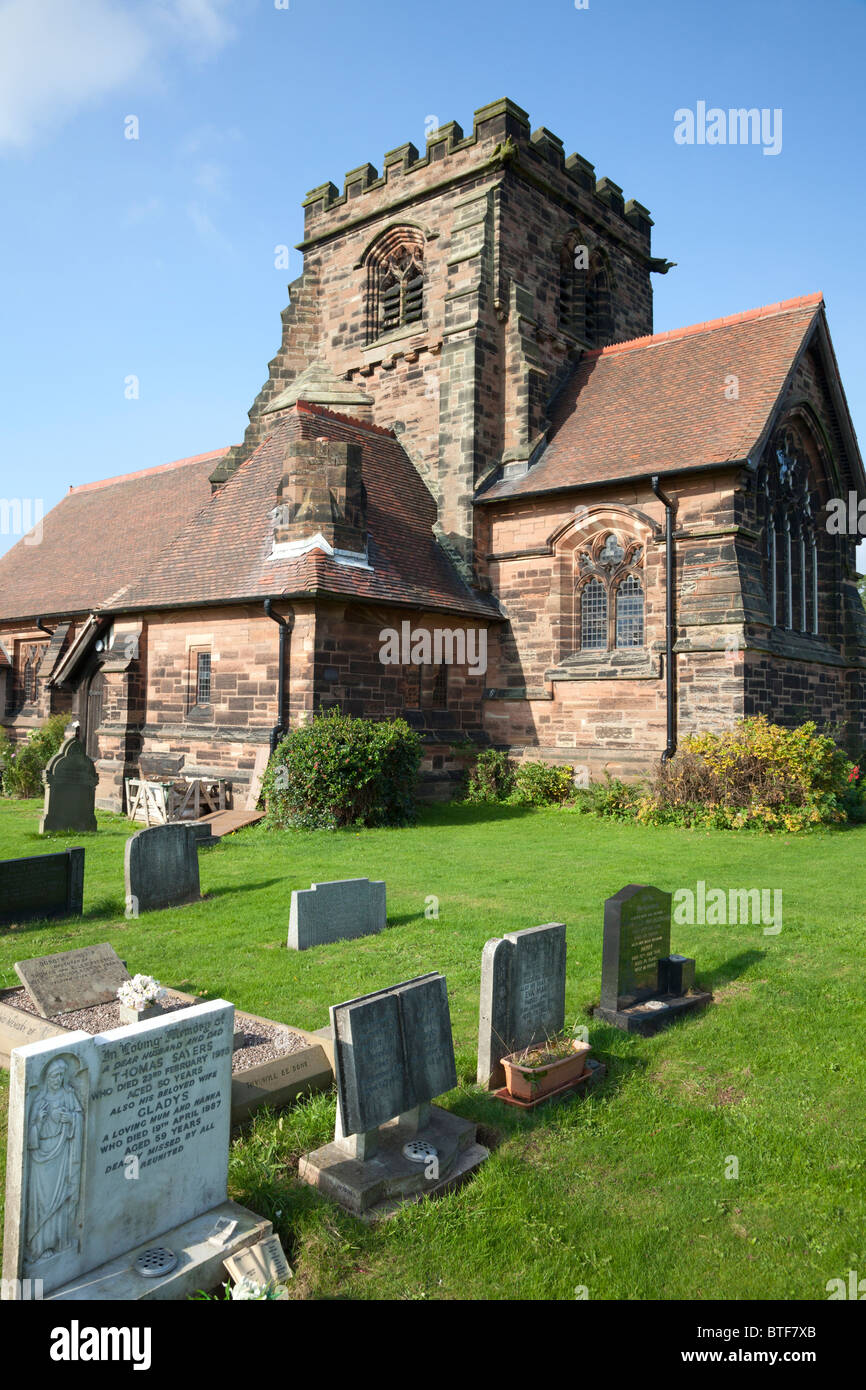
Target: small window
(629,613)
(202,678)
(593,616)
(200,681)
(440,687)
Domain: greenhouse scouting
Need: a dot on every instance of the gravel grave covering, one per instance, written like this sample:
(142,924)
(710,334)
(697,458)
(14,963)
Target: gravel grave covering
(263,1041)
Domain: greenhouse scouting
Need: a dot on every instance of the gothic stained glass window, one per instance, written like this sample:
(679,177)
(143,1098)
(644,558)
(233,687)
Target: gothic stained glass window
(789,546)
(593,616)
(629,613)
(610,593)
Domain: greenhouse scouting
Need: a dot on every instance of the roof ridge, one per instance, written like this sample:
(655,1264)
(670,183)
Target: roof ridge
(146,472)
(313,408)
(784,306)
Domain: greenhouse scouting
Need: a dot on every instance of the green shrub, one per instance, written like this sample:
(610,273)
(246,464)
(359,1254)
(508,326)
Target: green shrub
(755,776)
(491,778)
(339,771)
(22,774)
(613,798)
(495,778)
(541,784)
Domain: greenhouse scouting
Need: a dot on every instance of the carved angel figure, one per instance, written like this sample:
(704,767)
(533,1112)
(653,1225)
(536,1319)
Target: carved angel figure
(54,1140)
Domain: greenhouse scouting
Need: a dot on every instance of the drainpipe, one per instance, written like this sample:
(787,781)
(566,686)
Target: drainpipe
(279,729)
(42,628)
(670,508)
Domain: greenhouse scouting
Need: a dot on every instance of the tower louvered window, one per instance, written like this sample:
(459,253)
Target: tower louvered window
(401,289)
(395,281)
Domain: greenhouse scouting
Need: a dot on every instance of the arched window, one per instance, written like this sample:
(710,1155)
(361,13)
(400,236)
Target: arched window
(593,616)
(599,310)
(790,549)
(610,593)
(629,612)
(29,660)
(572,287)
(395,281)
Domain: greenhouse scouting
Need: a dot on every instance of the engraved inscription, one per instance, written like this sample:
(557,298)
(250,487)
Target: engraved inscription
(159,1094)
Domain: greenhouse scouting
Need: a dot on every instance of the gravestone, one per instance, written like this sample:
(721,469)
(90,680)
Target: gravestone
(522,995)
(70,791)
(637,969)
(336,911)
(118,1160)
(264,1263)
(72,979)
(161,868)
(42,885)
(393,1052)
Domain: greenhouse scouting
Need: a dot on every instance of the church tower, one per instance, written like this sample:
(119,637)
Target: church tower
(452,294)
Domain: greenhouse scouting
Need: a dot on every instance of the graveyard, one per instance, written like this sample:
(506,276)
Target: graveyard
(716,1158)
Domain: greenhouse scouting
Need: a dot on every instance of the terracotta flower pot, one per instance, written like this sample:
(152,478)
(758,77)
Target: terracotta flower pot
(532,1082)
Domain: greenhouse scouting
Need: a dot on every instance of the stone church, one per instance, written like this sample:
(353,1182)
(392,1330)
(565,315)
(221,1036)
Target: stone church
(469,429)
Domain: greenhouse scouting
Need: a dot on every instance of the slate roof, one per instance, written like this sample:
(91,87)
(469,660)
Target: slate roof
(658,404)
(100,538)
(223,554)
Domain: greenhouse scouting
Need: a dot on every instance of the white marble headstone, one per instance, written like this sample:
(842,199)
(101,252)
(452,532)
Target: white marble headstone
(115,1139)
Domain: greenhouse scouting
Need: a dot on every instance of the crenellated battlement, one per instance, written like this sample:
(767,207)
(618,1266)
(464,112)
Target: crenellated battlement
(501,136)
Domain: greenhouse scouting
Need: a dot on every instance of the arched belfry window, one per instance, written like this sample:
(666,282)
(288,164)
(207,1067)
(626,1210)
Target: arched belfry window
(609,587)
(395,281)
(599,304)
(790,549)
(573,267)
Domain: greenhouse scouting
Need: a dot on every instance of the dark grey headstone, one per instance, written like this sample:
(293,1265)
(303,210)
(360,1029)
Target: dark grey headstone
(70,791)
(637,935)
(336,911)
(393,1050)
(522,995)
(161,868)
(42,885)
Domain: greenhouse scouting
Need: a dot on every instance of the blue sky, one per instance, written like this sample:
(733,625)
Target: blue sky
(154,257)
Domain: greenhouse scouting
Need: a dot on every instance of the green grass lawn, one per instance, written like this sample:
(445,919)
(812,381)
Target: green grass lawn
(624,1191)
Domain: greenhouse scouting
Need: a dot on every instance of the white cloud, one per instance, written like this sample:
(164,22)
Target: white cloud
(58,57)
(206,229)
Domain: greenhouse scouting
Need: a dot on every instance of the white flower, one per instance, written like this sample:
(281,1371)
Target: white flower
(248,1288)
(140,991)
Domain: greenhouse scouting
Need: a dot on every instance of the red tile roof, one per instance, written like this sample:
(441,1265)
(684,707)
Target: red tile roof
(223,555)
(658,404)
(101,537)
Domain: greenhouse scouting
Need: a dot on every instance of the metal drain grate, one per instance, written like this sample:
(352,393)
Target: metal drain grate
(156,1261)
(418,1151)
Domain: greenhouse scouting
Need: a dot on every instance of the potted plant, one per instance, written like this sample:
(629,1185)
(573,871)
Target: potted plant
(138,998)
(542,1068)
